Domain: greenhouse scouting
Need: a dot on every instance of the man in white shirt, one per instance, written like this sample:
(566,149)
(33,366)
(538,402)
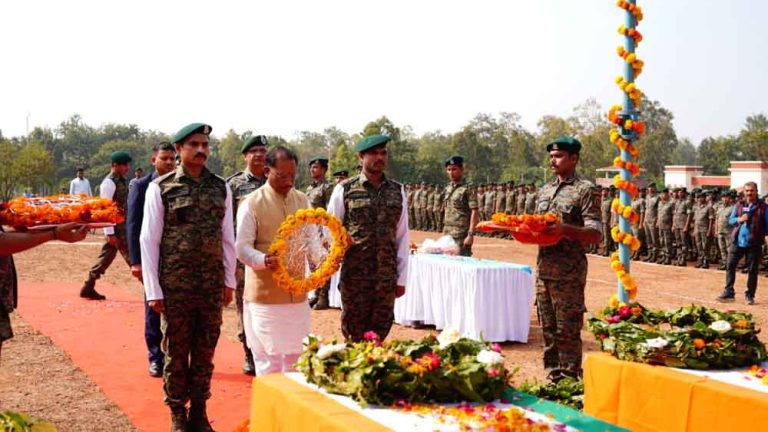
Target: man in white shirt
(80,185)
(187,246)
(374,211)
(274,320)
(113,187)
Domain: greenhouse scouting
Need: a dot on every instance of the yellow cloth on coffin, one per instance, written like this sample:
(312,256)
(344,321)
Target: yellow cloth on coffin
(642,397)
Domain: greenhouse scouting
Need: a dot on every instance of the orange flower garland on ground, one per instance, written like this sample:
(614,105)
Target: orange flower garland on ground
(59,209)
(339,245)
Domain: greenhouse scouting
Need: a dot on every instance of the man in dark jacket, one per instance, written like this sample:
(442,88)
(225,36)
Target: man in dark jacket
(164,161)
(749,219)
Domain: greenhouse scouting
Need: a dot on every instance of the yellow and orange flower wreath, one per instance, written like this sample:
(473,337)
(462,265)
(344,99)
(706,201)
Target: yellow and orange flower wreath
(23,212)
(339,245)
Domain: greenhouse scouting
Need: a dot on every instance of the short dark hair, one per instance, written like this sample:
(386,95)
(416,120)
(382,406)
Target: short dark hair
(164,146)
(79,169)
(280,152)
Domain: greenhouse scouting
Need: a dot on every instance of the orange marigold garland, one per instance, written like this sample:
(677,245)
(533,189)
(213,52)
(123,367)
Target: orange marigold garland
(525,228)
(339,245)
(23,212)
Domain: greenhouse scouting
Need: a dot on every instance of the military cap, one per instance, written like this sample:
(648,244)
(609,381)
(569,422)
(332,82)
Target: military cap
(455,160)
(568,144)
(665,190)
(256,140)
(322,160)
(120,157)
(696,191)
(370,142)
(341,173)
(190,129)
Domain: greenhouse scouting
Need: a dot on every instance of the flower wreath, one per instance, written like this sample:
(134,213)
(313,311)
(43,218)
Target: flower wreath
(23,212)
(340,244)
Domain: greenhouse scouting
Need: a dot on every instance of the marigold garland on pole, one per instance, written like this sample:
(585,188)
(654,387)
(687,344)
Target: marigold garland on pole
(628,129)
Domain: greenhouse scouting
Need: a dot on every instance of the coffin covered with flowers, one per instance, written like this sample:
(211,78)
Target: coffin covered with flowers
(694,337)
(441,369)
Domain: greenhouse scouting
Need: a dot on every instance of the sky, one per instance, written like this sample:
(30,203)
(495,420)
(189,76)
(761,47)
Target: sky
(281,67)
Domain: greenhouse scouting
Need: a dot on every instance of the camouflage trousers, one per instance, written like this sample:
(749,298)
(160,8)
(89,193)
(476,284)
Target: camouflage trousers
(561,311)
(107,255)
(681,246)
(239,290)
(652,238)
(191,327)
(702,246)
(608,245)
(666,243)
(723,243)
(412,217)
(367,305)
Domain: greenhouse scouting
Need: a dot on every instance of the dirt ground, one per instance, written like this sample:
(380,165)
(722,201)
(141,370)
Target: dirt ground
(38,378)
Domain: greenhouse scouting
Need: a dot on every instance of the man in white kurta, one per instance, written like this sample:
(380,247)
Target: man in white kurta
(275,321)
(80,185)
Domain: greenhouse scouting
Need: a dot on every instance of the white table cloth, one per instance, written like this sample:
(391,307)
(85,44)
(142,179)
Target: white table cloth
(479,298)
(492,299)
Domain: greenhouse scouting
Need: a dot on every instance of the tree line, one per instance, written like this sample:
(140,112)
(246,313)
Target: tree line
(496,148)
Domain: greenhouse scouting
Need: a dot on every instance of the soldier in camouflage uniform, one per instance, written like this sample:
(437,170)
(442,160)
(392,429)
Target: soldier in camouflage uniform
(319,193)
(651,217)
(510,201)
(638,205)
(242,183)
(439,208)
(114,187)
(530,199)
(692,252)
(422,207)
(188,266)
(681,224)
(490,201)
(461,214)
(410,192)
(561,273)
(480,193)
(501,199)
(605,219)
(703,220)
(522,191)
(375,267)
(428,213)
(665,219)
(713,199)
(724,228)
(418,191)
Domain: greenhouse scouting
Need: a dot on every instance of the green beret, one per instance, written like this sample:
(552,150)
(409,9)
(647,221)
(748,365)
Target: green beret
(370,142)
(568,144)
(455,160)
(323,161)
(190,129)
(342,173)
(256,140)
(120,157)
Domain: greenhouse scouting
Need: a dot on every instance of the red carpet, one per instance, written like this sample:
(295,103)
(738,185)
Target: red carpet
(106,340)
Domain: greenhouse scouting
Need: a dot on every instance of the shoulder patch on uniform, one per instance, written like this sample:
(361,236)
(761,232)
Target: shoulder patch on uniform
(164,177)
(234,175)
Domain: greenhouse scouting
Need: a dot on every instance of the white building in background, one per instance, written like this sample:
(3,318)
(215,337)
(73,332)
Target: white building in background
(692,176)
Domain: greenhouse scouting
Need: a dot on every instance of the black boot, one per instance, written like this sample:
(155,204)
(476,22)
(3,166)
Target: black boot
(248,367)
(198,418)
(179,419)
(89,291)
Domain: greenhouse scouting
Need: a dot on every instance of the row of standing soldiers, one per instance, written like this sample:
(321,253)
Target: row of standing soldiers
(676,227)
(426,202)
